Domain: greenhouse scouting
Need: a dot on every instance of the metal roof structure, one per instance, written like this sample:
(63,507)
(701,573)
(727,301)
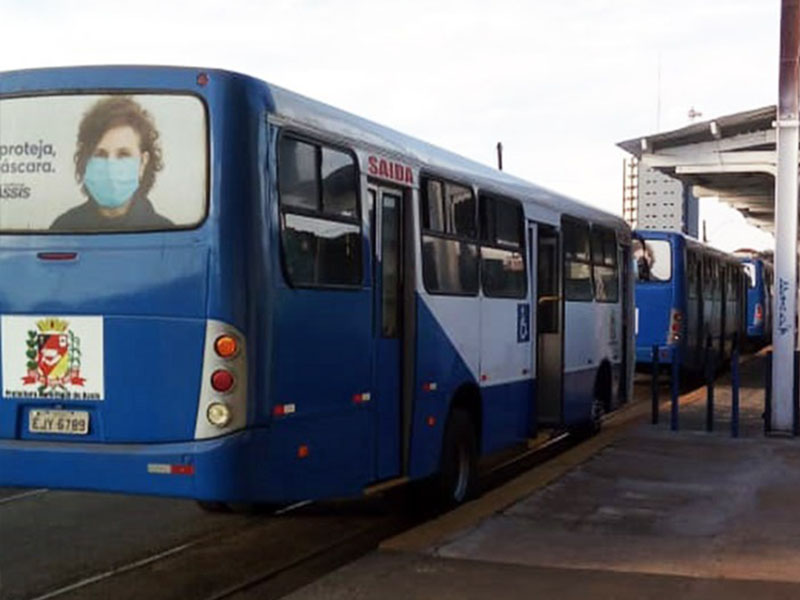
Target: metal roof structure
(731,157)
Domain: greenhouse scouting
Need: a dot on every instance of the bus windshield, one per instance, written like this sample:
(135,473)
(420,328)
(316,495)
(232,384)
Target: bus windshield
(102,163)
(653,260)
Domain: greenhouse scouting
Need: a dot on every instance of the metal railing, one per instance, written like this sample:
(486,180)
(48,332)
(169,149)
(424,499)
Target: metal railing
(710,359)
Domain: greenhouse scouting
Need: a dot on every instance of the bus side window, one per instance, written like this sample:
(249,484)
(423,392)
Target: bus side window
(691,275)
(577,261)
(604,265)
(503,272)
(449,238)
(320,228)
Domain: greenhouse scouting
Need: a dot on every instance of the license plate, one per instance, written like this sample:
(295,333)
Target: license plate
(65,422)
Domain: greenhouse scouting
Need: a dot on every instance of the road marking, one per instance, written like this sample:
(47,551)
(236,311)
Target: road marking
(22,495)
(292,507)
(110,573)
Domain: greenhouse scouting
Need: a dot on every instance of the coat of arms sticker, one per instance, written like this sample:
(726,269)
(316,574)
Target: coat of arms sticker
(52,357)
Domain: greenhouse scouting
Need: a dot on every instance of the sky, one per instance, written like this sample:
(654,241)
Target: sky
(558,83)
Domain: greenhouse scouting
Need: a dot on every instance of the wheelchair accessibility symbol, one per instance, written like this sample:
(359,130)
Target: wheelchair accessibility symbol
(523,323)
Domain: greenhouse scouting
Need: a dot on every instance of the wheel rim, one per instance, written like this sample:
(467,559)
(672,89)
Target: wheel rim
(462,479)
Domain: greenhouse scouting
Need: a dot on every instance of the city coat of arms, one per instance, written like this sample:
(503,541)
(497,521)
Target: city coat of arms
(53,356)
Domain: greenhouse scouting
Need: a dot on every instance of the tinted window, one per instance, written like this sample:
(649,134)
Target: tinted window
(433,206)
(320,230)
(604,260)
(298,179)
(609,248)
(321,252)
(576,241)
(338,183)
(693,275)
(577,267)
(597,246)
(449,251)
(606,284)
(449,266)
(390,265)
(503,272)
(448,208)
(578,281)
(460,210)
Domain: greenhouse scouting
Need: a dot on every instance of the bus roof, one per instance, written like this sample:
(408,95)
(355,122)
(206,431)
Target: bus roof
(303,111)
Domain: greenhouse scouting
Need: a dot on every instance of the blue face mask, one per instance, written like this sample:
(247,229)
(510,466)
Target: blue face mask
(112,181)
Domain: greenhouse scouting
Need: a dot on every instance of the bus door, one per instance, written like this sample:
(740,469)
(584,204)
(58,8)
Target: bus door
(627,320)
(549,324)
(387,326)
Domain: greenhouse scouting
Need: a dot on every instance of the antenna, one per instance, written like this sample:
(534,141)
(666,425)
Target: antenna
(658,95)
(500,155)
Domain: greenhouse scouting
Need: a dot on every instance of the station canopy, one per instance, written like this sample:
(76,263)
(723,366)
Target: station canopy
(731,157)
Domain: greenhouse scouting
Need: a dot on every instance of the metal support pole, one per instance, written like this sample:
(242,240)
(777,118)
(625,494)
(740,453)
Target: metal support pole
(768,394)
(654,406)
(795,410)
(709,384)
(785,301)
(735,387)
(676,372)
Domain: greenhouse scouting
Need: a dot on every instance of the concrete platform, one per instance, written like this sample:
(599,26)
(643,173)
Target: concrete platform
(637,512)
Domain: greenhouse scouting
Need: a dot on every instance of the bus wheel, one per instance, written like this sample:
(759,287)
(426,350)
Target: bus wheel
(457,481)
(213,507)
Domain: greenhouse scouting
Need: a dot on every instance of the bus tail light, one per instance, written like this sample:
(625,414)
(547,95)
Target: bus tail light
(219,414)
(222,381)
(226,346)
(675,326)
(758,317)
(222,404)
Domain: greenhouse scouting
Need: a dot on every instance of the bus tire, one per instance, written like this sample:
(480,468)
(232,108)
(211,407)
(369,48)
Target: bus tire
(457,481)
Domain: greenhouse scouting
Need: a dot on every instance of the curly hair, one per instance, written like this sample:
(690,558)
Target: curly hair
(118,111)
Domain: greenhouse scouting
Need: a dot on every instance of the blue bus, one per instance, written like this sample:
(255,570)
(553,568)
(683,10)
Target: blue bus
(214,288)
(686,294)
(759,299)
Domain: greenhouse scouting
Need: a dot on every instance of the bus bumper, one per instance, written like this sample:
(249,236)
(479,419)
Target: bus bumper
(230,468)
(207,469)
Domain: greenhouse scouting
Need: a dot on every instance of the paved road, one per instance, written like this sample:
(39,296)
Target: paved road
(81,545)
(56,544)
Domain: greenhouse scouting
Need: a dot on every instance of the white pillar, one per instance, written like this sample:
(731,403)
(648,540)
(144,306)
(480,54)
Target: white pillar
(785,301)
(784,335)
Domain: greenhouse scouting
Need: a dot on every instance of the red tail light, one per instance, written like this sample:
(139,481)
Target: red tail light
(222,380)
(759,314)
(675,327)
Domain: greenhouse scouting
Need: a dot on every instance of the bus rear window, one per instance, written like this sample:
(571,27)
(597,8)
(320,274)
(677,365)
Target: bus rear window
(102,163)
(750,270)
(653,260)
